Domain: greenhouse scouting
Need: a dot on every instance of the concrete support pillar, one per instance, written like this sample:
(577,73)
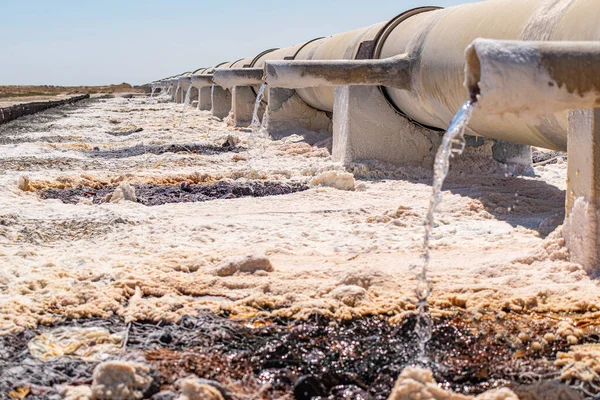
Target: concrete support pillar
(204,100)
(193,95)
(221,102)
(366,127)
(243,100)
(287,113)
(180,95)
(582,223)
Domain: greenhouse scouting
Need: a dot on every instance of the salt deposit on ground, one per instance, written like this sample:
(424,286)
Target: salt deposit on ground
(418,384)
(337,252)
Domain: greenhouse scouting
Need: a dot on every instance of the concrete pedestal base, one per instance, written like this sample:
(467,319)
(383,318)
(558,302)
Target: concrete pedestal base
(582,223)
(242,105)
(204,101)
(365,127)
(180,96)
(221,102)
(517,157)
(193,95)
(288,114)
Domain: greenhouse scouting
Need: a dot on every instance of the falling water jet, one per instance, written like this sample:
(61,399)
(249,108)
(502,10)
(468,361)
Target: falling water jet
(258,129)
(212,94)
(265,123)
(256,124)
(177,91)
(186,102)
(453,143)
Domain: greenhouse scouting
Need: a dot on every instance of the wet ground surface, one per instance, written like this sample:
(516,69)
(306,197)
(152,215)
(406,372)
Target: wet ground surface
(139,150)
(326,359)
(152,195)
(548,157)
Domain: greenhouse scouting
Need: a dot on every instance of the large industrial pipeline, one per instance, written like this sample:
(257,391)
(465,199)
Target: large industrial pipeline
(428,44)
(386,91)
(433,43)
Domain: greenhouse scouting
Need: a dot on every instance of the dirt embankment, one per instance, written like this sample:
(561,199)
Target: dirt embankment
(17,94)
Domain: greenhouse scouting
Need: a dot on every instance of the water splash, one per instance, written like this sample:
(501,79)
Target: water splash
(186,102)
(256,124)
(453,144)
(212,93)
(257,142)
(265,122)
(177,92)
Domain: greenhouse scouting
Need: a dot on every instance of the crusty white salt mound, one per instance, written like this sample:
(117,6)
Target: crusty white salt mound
(251,263)
(582,364)
(418,384)
(122,380)
(125,192)
(76,392)
(192,389)
(336,179)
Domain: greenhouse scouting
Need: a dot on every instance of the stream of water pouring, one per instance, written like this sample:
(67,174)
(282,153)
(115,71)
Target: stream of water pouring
(212,94)
(453,143)
(256,125)
(177,91)
(186,102)
(258,137)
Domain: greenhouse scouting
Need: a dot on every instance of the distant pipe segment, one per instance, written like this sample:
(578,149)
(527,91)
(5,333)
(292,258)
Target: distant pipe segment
(200,81)
(533,78)
(185,82)
(392,72)
(230,78)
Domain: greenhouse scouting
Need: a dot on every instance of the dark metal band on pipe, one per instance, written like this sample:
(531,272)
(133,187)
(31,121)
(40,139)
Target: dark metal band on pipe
(200,81)
(392,72)
(229,78)
(533,78)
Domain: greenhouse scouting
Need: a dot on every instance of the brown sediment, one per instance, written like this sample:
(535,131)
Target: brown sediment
(363,356)
(575,71)
(152,194)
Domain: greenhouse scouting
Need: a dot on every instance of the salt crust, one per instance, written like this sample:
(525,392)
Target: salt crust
(418,384)
(154,263)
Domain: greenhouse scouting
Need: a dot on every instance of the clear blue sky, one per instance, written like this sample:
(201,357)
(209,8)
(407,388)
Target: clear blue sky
(96,42)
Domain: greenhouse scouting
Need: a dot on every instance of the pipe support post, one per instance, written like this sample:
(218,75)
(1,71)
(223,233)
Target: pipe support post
(242,106)
(221,102)
(582,222)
